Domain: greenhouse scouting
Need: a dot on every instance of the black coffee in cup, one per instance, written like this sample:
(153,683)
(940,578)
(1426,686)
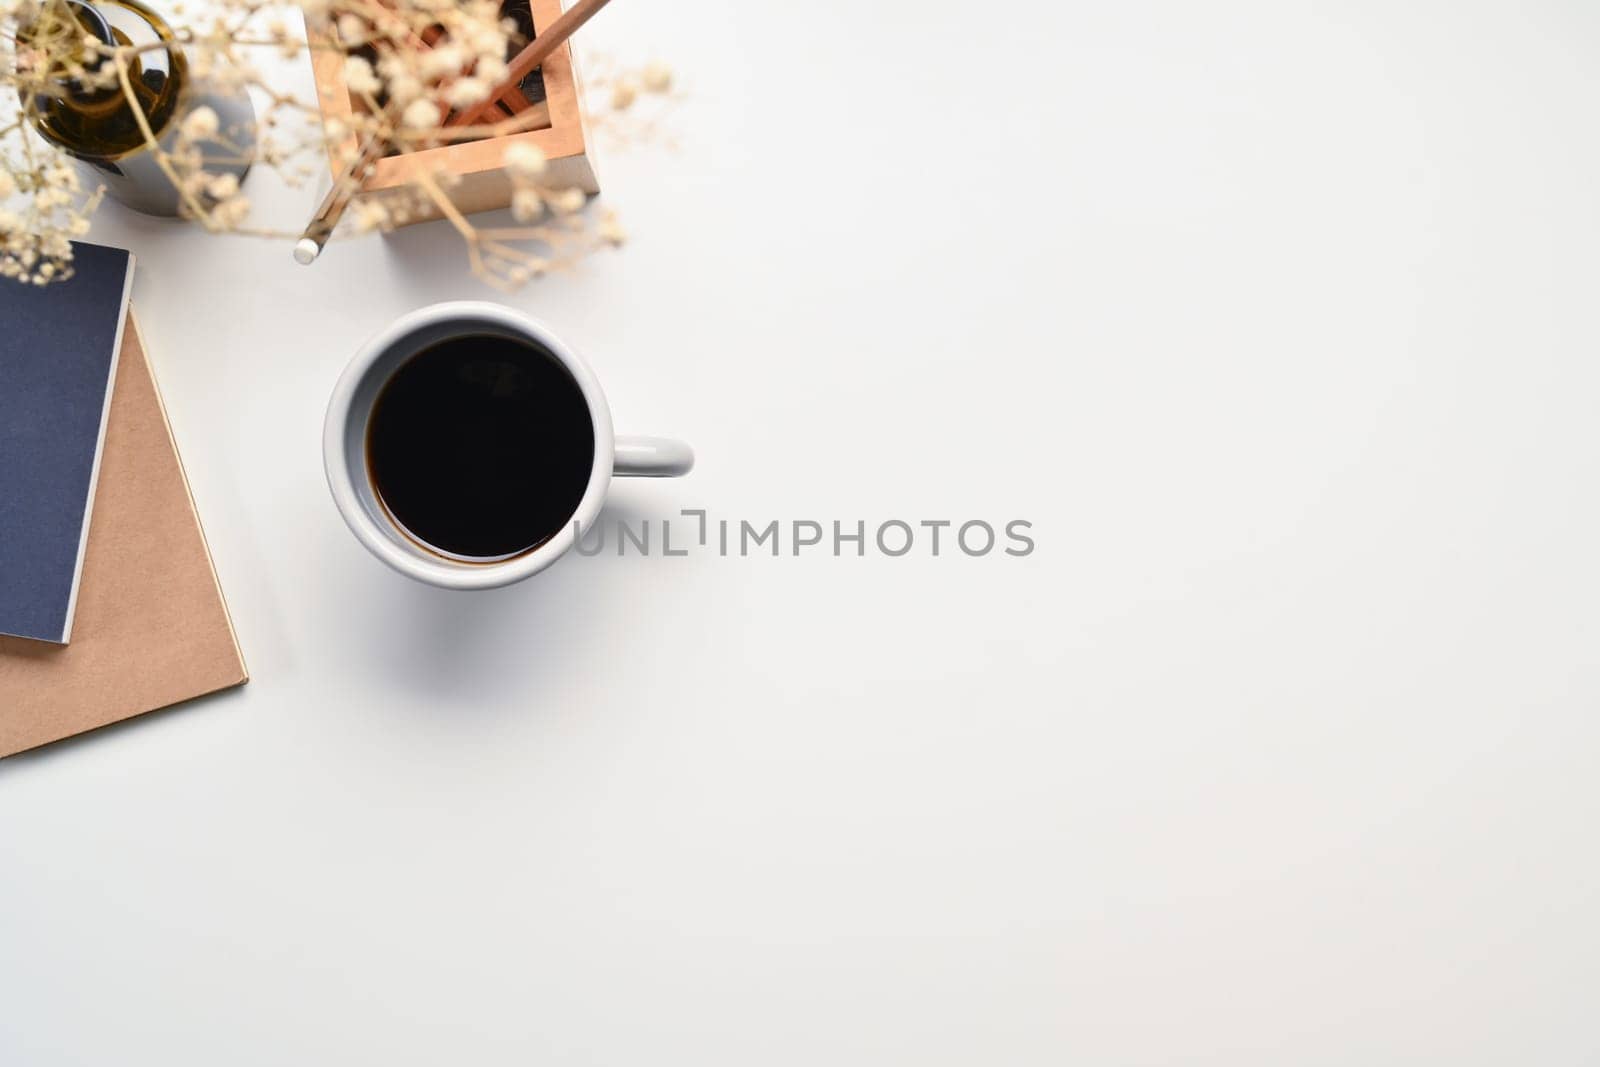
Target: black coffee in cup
(481,446)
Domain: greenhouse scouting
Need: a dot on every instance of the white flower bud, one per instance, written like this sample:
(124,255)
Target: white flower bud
(657,77)
(201,124)
(491,69)
(404,88)
(63,177)
(370,215)
(526,206)
(441,62)
(524,161)
(568,201)
(358,76)
(231,213)
(222,186)
(421,115)
(466,92)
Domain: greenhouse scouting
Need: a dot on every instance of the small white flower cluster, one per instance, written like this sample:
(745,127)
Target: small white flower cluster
(41,212)
(654,78)
(42,203)
(212,198)
(526,165)
(419,57)
(552,227)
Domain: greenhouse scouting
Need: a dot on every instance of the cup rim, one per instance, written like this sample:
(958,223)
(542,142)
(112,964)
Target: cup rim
(437,570)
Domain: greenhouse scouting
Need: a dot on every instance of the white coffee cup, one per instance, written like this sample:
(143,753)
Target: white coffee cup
(344,446)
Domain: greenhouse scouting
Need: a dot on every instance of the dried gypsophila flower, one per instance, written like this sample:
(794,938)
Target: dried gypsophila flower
(471,42)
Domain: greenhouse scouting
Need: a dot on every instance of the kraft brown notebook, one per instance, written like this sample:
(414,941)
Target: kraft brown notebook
(151,628)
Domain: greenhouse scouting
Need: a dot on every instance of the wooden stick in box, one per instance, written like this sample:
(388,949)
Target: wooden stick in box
(538,50)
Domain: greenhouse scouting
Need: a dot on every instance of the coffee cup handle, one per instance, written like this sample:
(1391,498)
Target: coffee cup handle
(651,457)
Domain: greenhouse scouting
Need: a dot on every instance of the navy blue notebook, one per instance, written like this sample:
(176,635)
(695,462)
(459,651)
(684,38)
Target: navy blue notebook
(58,358)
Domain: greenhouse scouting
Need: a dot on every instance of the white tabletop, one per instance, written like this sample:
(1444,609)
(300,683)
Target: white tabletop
(1274,319)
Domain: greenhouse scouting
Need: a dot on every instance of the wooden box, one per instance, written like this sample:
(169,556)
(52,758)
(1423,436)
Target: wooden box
(480,165)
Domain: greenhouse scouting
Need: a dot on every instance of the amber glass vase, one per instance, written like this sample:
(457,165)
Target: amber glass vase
(100,130)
